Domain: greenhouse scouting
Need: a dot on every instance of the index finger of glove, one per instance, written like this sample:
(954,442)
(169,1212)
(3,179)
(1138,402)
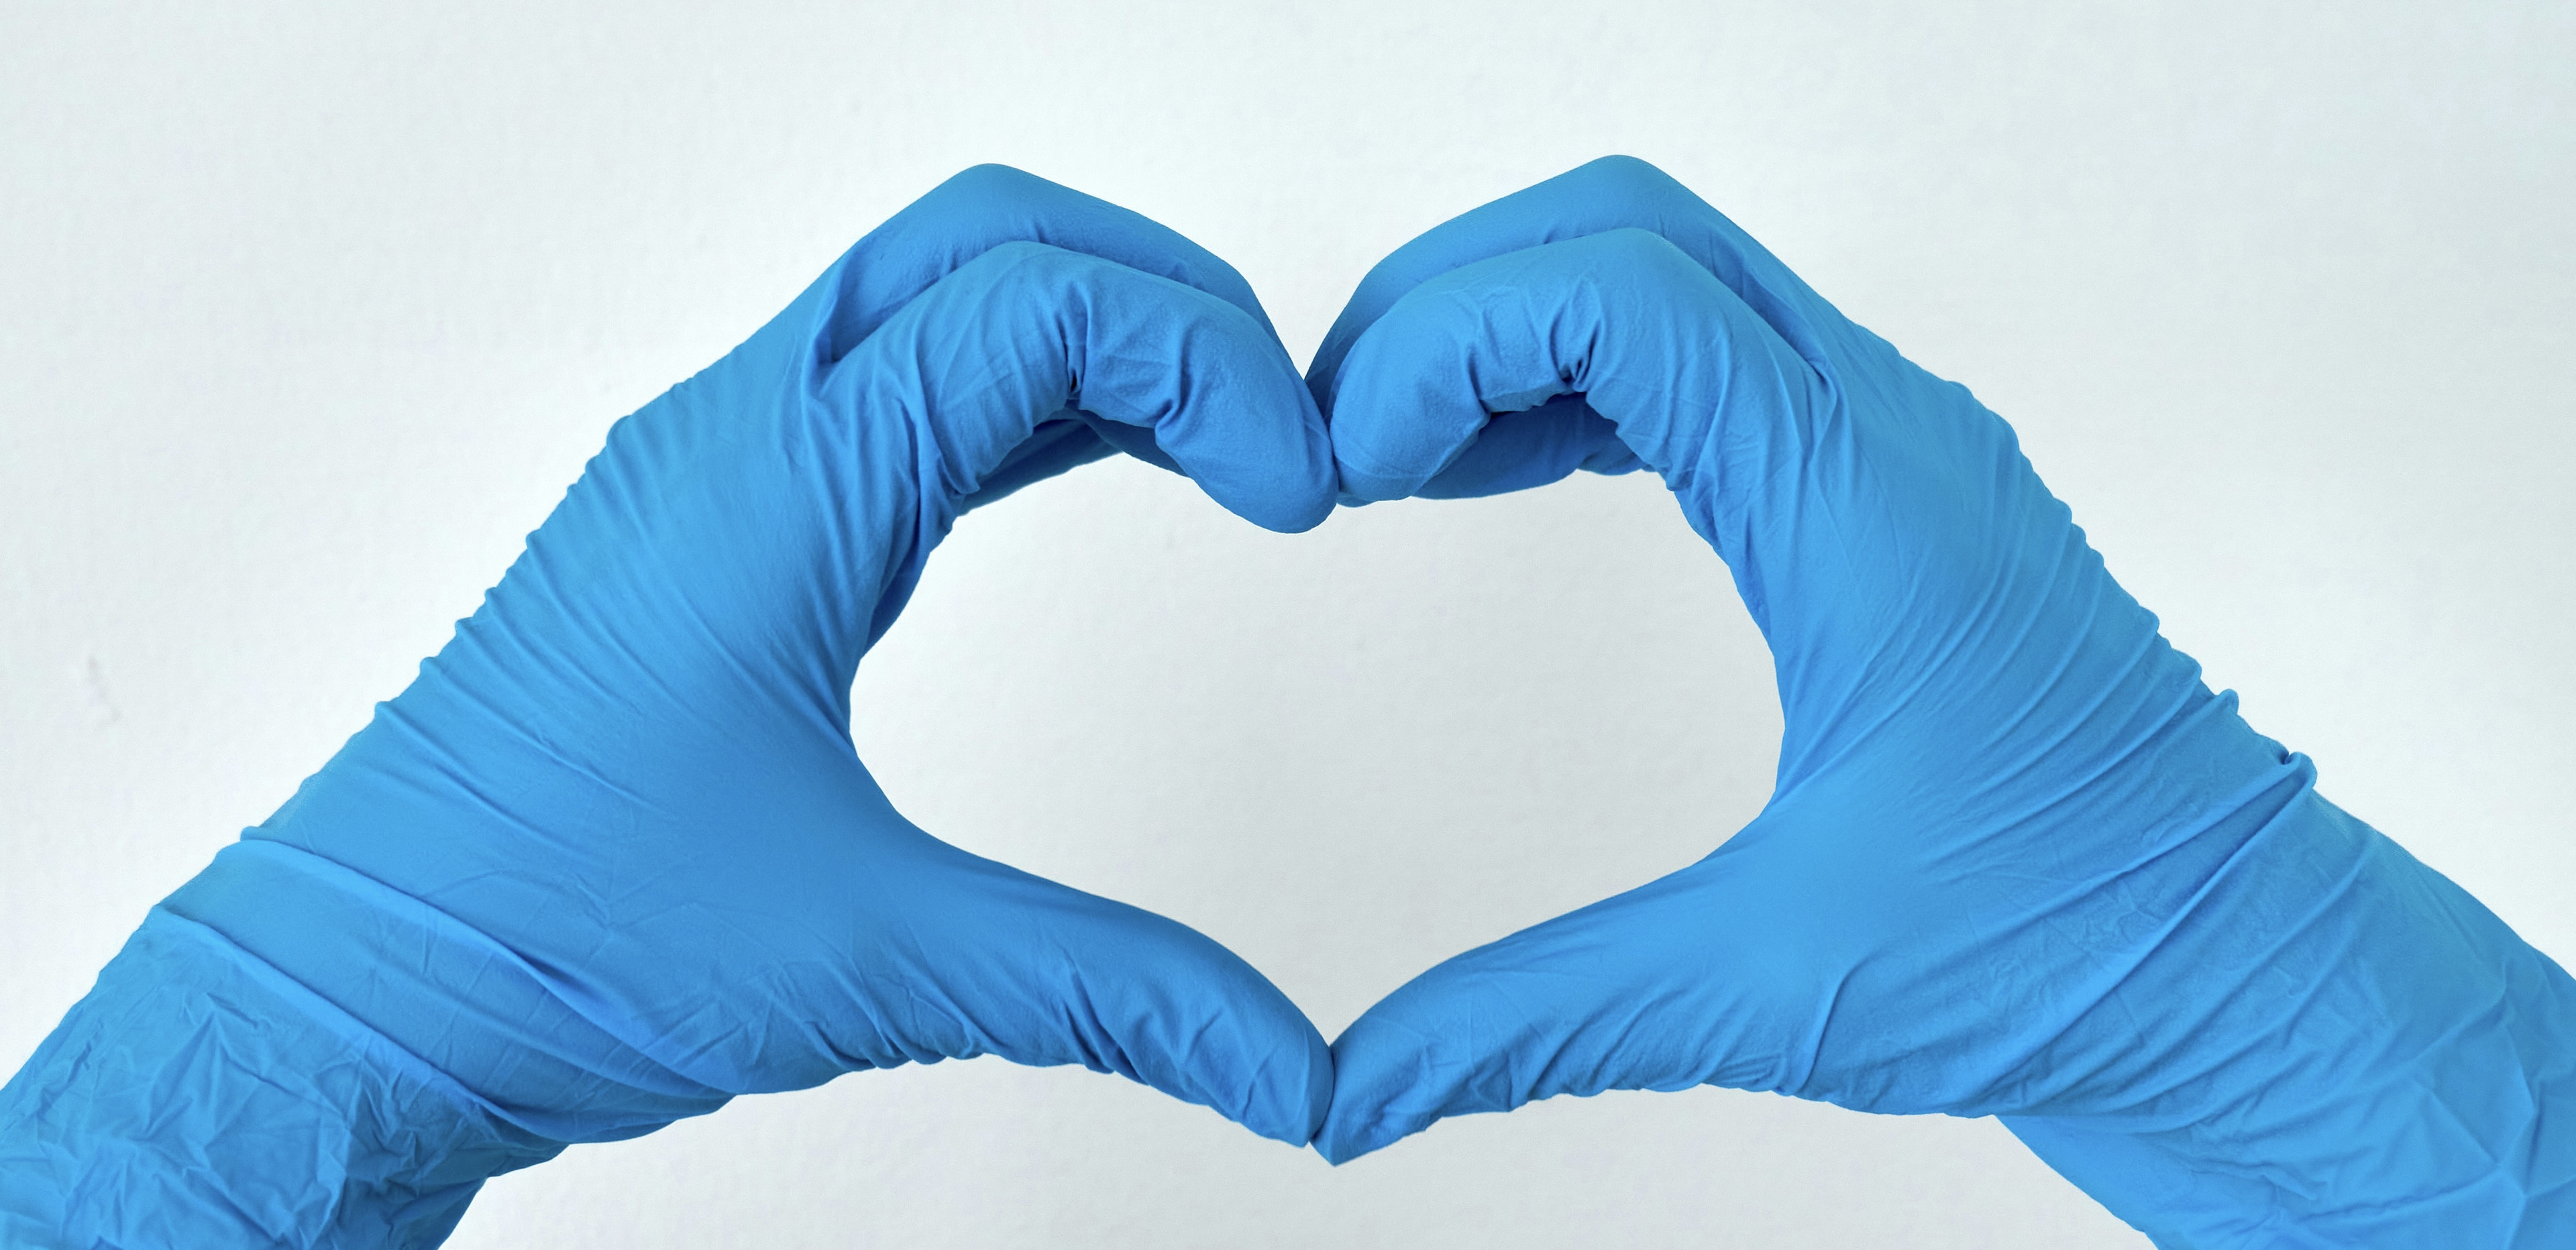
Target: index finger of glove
(979,209)
(1613,193)
(985,207)
(1653,342)
(1026,331)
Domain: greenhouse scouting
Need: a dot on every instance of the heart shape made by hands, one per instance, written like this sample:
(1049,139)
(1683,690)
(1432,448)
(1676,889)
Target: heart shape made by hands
(613,860)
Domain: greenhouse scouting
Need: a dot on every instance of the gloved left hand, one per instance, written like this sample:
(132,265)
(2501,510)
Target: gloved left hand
(2019,861)
(612,859)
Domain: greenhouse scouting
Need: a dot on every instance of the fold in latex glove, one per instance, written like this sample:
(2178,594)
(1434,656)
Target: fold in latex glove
(612,859)
(2019,860)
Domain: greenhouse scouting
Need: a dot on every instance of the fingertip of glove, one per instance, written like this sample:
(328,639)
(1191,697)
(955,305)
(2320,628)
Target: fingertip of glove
(1286,1098)
(1337,1151)
(1286,487)
(1291,516)
(1363,1117)
(1365,486)
(1279,511)
(1319,1093)
(1340,1144)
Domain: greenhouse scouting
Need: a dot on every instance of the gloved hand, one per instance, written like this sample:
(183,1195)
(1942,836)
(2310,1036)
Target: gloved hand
(2019,861)
(611,859)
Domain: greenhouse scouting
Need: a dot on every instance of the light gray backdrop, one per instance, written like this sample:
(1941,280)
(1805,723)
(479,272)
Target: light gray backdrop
(309,313)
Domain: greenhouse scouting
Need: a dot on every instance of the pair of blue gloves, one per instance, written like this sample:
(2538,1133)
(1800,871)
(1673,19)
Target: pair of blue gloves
(612,859)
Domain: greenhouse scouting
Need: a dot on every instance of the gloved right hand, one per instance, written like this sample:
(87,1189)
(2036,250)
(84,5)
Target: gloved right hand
(612,860)
(2019,860)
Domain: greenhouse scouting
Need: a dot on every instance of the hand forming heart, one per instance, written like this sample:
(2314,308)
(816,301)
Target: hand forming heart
(612,859)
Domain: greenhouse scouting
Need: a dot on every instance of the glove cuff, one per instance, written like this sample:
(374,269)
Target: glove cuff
(533,1046)
(289,1053)
(2397,1074)
(197,1097)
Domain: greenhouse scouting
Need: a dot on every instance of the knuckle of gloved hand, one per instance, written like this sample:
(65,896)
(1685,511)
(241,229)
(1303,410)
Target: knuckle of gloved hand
(993,186)
(1626,181)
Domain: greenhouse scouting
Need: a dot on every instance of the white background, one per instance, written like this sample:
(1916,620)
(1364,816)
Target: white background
(308,314)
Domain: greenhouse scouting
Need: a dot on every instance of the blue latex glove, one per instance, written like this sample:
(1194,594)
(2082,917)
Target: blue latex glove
(2019,860)
(612,859)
